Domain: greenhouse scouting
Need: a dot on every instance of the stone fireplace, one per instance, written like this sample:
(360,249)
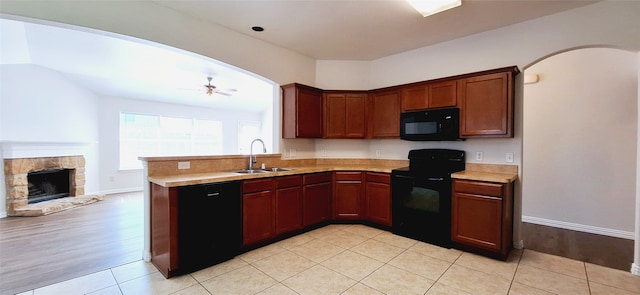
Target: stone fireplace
(17,184)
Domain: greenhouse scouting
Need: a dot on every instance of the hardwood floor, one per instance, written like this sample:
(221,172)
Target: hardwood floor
(39,251)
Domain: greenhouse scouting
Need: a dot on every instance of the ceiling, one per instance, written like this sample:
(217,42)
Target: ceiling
(321,29)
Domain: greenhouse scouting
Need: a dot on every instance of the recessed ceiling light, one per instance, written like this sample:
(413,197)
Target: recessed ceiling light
(429,7)
(257,28)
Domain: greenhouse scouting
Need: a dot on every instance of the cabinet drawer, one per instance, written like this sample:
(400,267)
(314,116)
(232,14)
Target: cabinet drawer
(353,176)
(288,181)
(317,178)
(378,177)
(478,188)
(251,186)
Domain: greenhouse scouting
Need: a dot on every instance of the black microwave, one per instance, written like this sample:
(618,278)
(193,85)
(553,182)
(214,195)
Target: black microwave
(431,125)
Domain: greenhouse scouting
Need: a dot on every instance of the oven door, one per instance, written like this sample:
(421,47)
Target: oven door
(422,208)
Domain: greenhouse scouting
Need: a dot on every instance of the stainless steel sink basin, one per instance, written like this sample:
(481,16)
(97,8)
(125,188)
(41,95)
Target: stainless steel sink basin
(277,169)
(247,171)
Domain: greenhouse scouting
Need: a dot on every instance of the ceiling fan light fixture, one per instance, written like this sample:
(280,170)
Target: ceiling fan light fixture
(429,7)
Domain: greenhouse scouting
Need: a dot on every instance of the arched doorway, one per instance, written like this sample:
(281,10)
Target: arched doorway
(579,155)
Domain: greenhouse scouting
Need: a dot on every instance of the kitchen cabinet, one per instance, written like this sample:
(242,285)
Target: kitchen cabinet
(316,198)
(288,204)
(344,115)
(486,105)
(301,111)
(378,198)
(348,195)
(482,217)
(257,211)
(429,95)
(384,115)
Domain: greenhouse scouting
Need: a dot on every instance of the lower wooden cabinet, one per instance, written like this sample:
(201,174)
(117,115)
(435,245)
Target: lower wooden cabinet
(258,222)
(271,207)
(378,198)
(482,217)
(288,204)
(316,198)
(348,195)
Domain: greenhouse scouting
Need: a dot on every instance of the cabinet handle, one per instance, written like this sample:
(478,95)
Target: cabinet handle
(213,194)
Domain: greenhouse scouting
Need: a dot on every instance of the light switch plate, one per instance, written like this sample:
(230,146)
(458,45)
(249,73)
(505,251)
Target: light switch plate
(184,165)
(479,156)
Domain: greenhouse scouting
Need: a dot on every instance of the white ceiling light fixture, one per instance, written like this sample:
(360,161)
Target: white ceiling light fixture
(429,7)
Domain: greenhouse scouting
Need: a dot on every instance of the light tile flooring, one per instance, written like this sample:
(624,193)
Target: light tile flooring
(356,259)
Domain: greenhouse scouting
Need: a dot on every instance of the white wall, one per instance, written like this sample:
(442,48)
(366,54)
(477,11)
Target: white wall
(112,179)
(579,147)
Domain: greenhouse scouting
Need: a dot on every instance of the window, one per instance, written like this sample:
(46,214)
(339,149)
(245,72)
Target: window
(151,135)
(247,132)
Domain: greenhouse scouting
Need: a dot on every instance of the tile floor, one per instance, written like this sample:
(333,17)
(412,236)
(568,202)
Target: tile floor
(356,259)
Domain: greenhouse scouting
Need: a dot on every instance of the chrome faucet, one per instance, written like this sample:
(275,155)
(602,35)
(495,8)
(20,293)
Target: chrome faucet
(252,158)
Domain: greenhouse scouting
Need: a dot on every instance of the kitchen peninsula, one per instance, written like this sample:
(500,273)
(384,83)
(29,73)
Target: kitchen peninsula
(363,195)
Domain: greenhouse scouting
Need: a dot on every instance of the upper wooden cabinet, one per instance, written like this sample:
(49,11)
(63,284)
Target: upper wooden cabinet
(301,111)
(486,105)
(344,115)
(384,114)
(429,96)
(485,99)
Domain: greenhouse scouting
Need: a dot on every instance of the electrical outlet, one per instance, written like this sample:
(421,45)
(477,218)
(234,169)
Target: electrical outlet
(292,153)
(184,165)
(509,158)
(323,153)
(377,153)
(479,156)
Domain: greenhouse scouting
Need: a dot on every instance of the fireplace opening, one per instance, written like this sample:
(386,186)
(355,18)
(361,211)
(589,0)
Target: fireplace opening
(48,185)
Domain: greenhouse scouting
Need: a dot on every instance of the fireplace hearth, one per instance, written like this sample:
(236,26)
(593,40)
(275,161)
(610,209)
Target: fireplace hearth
(52,177)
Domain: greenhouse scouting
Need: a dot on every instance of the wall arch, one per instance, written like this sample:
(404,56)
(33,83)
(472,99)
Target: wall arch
(579,137)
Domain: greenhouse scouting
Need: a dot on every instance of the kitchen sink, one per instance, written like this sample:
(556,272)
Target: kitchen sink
(254,171)
(247,171)
(277,169)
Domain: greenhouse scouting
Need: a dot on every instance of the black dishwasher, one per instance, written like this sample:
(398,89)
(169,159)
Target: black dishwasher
(209,224)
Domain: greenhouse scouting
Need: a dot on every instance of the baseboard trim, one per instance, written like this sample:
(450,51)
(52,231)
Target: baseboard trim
(121,190)
(635,269)
(580,227)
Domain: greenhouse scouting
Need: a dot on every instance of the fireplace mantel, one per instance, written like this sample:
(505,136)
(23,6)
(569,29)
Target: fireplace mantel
(35,149)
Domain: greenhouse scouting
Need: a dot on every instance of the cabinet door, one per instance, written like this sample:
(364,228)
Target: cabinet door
(384,117)
(477,220)
(415,98)
(316,203)
(355,115)
(301,111)
(443,94)
(335,115)
(288,209)
(486,108)
(257,217)
(345,115)
(378,198)
(348,195)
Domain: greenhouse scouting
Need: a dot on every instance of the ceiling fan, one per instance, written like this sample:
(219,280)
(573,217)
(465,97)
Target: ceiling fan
(211,89)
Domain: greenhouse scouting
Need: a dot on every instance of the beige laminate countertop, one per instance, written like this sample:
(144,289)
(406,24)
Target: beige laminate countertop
(200,178)
(485,176)
(491,175)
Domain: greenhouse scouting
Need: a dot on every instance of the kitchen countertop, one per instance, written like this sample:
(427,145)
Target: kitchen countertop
(219,176)
(485,176)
